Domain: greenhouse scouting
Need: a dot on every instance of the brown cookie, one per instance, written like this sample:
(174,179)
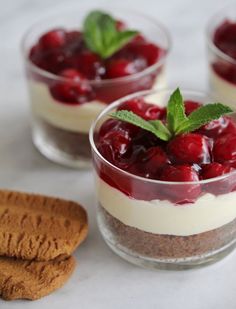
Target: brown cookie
(32,280)
(39,227)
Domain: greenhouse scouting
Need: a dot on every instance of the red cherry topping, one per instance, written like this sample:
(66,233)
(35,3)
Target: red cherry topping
(190,148)
(74,91)
(215,127)
(145,110)
(224,38)
(214,170)
(124,67)
(116,142)
(152,161)
(224,149)
(184,193)
(148,51)
(52,39)
(191,106)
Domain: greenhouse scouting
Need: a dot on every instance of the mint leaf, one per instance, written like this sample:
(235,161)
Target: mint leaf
(175,111)
(101,35)
(152,126)
(201,116)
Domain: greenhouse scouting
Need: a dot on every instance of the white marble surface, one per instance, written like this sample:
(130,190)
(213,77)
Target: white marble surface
(103,280)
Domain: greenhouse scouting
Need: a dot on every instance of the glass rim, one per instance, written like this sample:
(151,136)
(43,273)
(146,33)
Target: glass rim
(94,82)
(140,178)
(209,37)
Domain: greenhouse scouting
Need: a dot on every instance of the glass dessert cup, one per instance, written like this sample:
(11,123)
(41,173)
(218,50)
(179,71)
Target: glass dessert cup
(60,131)
(162,224)
(222,56)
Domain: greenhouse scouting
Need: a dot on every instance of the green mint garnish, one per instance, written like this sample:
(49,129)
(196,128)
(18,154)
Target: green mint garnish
(101,35)
(177,120)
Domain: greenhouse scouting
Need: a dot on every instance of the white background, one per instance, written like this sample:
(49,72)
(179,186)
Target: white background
(103,280)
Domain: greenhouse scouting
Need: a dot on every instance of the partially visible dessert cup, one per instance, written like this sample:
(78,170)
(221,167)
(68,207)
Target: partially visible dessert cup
(162,224)
(221,49)
(60,129)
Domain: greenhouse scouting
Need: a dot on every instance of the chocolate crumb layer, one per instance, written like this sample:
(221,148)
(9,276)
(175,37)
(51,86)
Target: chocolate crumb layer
(72,143)
(167,246)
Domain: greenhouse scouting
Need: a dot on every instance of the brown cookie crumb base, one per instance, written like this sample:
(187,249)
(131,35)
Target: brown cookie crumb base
(159,246)
(71,143)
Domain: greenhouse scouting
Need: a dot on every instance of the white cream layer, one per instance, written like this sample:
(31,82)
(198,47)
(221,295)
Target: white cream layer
(75,118)
(222,89)
(163,217)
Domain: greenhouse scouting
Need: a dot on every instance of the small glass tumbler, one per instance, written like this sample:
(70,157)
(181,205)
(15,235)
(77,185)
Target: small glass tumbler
(221,65)
(161,224)
(60,131)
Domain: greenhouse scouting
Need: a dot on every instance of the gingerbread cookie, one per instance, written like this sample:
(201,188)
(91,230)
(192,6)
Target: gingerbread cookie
(36,227)
(20,279)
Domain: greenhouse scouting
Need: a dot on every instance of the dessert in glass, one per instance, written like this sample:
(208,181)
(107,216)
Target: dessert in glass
(221,43)
(165,178)
(79,62)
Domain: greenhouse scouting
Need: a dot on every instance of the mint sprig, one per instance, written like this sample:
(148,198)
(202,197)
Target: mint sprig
(101,35)
(177,120)
(156,126)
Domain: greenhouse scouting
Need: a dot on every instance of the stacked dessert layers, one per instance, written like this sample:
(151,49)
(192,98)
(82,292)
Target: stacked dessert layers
(71,79)
(166,177)
(38,234)
(223,61)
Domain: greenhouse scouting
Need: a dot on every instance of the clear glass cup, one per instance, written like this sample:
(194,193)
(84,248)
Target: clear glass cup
(221,67)
(59,131)
(151,223)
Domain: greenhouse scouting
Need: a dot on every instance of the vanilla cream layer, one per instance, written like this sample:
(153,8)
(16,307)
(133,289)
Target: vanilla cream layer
(163,217)
(223,89)
(76,118)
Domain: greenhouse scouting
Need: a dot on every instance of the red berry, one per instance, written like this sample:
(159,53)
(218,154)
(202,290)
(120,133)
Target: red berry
(145,110)
(118,141)
(215,127)
(74,91)
(191,106)
(221,186)
(52,39)
(214,170)
(90,65)
(224,150)
(231,127)
(124,67)
(152,161)
(190,148)
(182,193)
(120,25)
(149,51)
(108,126)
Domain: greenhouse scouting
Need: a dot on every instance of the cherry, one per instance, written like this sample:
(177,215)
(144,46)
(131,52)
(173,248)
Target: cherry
(190,148)
(114,145)
(224,38)
(215,127)
(145,110)
(124,67)
(53,39)
(148,51)
(107,126)
(221,186)
(152,161)
(231,127)
(183,193)
(224,149)
(120,25)
(74,91)
(191,106)
(90,65)
(214,170)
